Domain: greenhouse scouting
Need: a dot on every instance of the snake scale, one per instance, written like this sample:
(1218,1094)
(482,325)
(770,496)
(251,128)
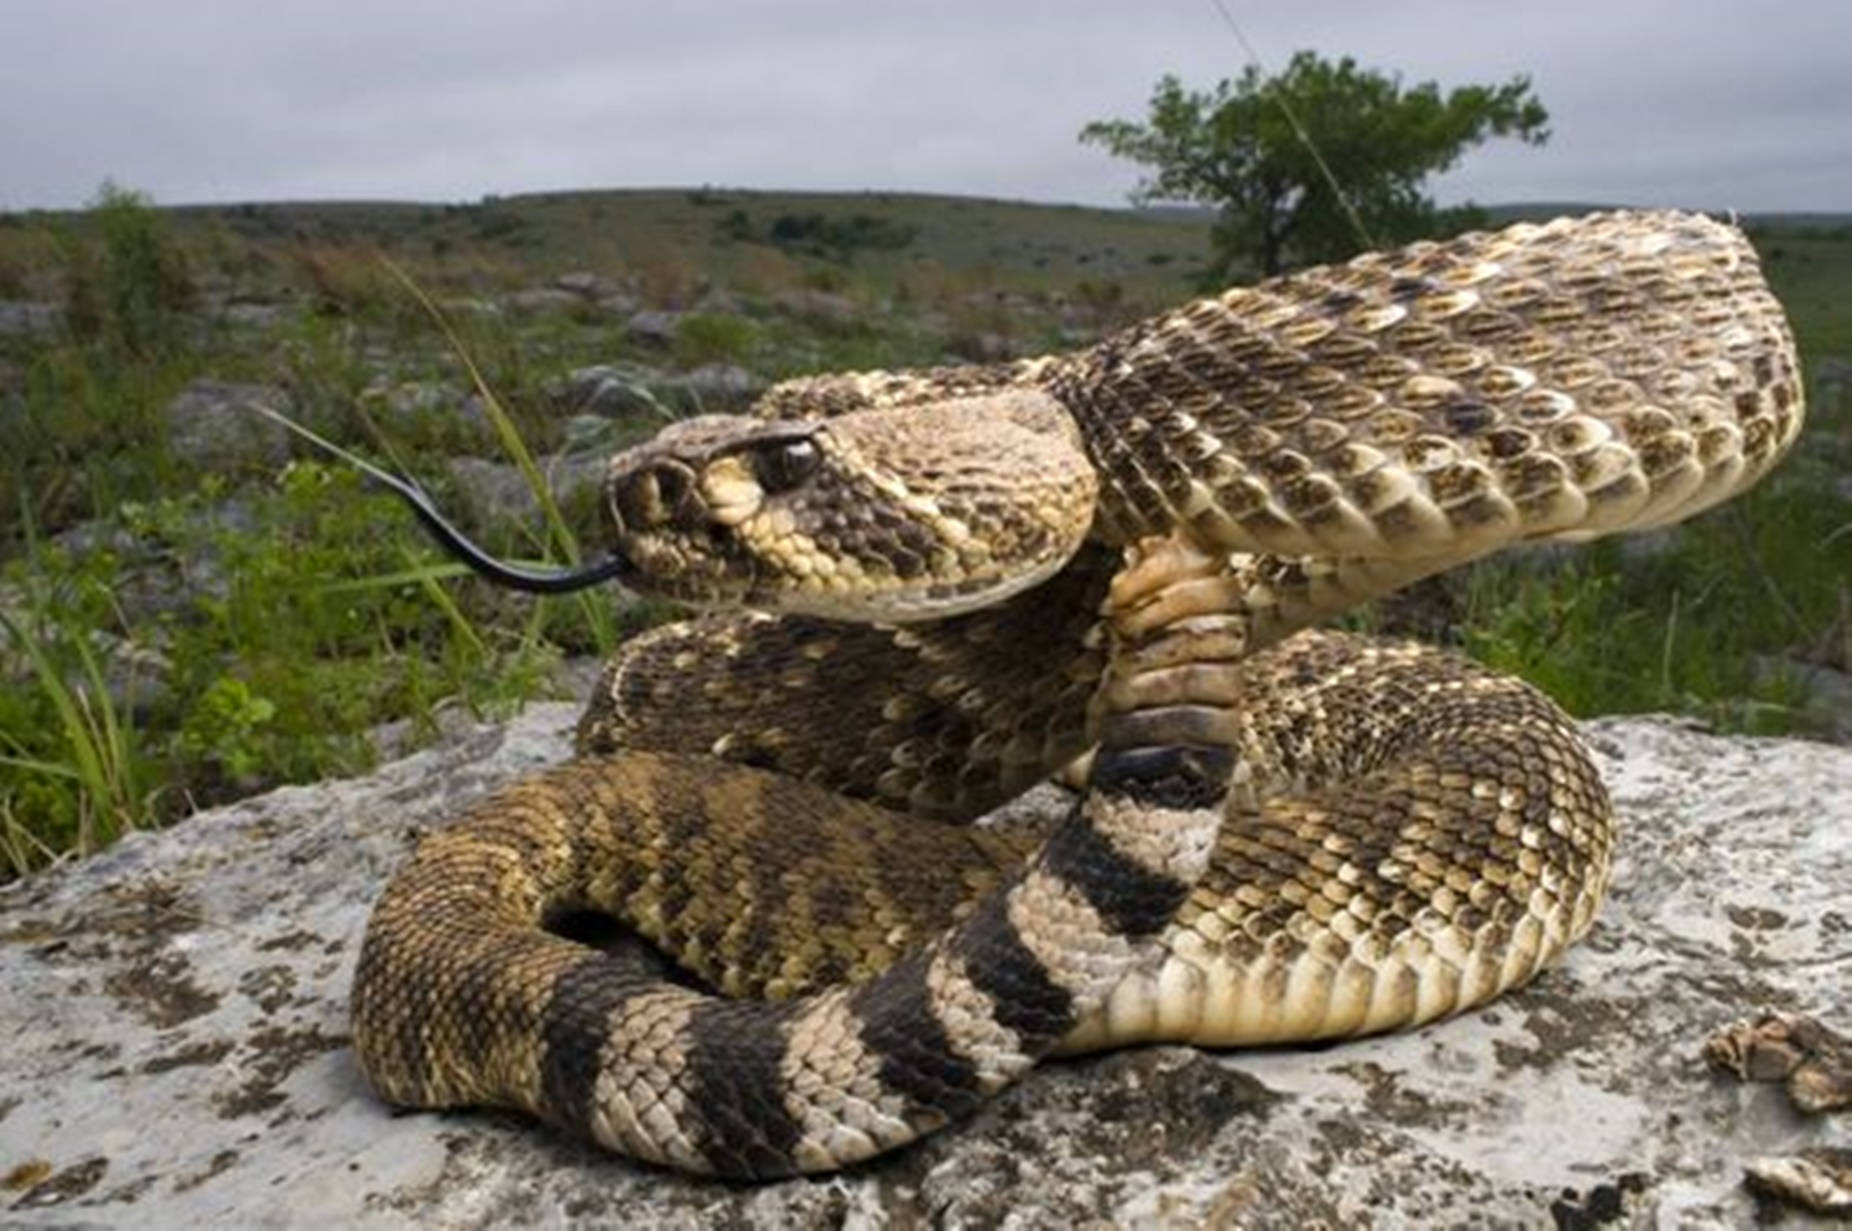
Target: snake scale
(927,590)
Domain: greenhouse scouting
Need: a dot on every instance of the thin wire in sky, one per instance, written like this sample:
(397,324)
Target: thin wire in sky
(1279,96)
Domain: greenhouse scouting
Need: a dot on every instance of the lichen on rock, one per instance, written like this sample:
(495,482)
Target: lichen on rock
(175,1045)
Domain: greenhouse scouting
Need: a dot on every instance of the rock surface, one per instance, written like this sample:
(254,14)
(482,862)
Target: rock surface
(542,299)
(174,1024)
(618,389)
(653,326)
(29,317)
(500,490)
(817,305)
(211,424)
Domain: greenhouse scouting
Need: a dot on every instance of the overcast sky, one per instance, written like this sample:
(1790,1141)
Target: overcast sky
(1739,104)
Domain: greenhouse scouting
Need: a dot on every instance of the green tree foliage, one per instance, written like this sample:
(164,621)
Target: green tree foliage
(830,236)
(1235,148)
(127,279)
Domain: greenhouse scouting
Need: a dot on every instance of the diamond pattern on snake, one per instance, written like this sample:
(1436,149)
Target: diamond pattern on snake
(921,592)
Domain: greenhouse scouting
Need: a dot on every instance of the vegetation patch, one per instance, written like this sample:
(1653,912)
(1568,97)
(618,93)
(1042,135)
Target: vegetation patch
(181,626)
(833,237)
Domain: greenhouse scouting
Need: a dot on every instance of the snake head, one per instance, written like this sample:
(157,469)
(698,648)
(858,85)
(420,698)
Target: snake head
(884,515)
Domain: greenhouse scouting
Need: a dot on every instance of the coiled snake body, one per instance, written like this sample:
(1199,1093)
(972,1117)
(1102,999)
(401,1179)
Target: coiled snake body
(931,589)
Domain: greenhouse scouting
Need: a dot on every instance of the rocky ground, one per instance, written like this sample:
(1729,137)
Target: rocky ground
(176,1047)
(172,1029)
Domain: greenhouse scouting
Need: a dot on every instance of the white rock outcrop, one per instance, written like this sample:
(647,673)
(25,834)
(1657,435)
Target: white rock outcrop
(173,1046)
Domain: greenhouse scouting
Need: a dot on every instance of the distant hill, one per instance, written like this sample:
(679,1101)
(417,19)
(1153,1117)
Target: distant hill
(722,230)
(1517,211)
(890,243)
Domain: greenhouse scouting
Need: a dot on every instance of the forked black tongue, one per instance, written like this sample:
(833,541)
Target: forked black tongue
(452,540)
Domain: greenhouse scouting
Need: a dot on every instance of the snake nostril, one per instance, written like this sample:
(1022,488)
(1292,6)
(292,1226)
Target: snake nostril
(674,484)
(638,501)
(652,498)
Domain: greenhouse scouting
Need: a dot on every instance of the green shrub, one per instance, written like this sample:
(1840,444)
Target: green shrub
(712,337)
(830,236)
(86,433)
(127,279)
(333,616)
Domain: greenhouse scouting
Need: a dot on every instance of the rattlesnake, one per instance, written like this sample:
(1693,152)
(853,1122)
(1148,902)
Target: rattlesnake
(1117,544)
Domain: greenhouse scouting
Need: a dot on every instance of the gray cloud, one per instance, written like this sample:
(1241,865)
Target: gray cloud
(1711,103)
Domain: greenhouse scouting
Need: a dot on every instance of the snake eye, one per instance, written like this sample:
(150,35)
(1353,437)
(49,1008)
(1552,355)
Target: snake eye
(782,466)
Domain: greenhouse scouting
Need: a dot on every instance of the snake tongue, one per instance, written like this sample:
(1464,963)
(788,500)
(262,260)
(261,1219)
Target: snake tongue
(511,576)
(614,567)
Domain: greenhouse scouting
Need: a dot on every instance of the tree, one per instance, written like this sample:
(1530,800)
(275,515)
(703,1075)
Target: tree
(1236,148)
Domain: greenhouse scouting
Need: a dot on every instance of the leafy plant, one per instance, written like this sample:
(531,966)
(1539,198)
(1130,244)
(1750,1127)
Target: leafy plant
(713,337)
(127,280)
(223,727)
(1317,163)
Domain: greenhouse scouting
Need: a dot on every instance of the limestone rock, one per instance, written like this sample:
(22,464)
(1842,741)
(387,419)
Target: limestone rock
(25,316)
(212,425)
(542,299)
(654,327)
(622,304)
(501,492)
(252,314)
(711,388)
(824,306)
(608,389)
(175,1046)
(615,390)
(719,301)
(587,285)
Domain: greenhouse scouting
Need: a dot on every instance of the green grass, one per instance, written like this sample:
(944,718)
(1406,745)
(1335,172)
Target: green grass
(1698,630)
(1810,268)
(93,781)
(293,610)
